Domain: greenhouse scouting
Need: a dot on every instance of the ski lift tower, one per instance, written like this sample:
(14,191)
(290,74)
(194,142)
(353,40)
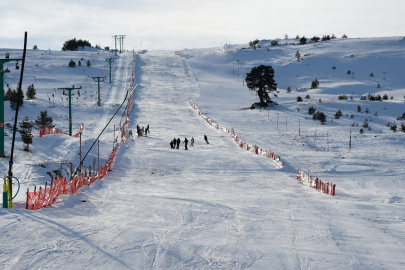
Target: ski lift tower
(69,89)
(2,72)
(98,81)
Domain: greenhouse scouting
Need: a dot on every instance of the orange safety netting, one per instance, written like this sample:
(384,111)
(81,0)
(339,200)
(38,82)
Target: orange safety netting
(47,196)
(49,130)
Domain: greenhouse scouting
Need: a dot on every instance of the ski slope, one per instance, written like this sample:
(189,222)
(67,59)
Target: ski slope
(216,206)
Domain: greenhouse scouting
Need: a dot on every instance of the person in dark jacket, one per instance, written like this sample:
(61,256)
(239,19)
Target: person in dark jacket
(206,139)
(185,142)
(178,143)
(147,130)
(192,141)
(171,144)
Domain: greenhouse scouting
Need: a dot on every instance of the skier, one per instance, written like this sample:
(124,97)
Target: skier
(206,139)
(171,144)
(178,143)
(130,134)
(185,142)
(192,141)
(147,130)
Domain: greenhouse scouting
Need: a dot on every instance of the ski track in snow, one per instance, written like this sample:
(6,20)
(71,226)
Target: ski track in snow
(214,206)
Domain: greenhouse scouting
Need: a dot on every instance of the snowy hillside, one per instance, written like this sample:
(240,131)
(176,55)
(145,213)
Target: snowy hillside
(217,206)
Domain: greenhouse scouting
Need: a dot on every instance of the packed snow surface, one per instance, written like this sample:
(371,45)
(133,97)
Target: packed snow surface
(217,206)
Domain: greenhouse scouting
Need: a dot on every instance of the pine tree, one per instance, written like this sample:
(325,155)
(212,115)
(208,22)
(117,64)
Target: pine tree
(14,98)
(88,63)
(25,131)
(31,92)
(44,120)
(314,84)
(303,40)
(298,56)
(79,63)
(72,63)
(261,80)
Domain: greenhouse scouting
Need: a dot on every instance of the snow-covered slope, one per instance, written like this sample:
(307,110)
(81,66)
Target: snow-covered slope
(216,206)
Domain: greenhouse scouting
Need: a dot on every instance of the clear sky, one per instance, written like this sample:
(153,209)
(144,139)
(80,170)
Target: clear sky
(177,24)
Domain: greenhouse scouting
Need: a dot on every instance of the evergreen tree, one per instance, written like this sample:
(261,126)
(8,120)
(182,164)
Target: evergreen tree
(31,92)
(261,80)
(303,40)
(79,63)
(314,84)
(44,120)
(72,63)
(285,36)
(25,131)
(88,63)
(14,98)
(297,37)
(73,44)
(298,56)
(315,39)
(344,36)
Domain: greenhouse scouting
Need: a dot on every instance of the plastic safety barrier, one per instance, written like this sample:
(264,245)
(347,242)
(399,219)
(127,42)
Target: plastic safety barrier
(207,119)
(49,130)
(47,196)
(306,179)
(249,147)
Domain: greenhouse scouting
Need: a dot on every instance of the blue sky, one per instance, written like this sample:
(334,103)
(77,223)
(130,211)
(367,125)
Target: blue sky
(177,24)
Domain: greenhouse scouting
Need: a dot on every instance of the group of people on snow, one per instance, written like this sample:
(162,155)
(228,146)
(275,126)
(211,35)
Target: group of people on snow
(141,131)
(175,143)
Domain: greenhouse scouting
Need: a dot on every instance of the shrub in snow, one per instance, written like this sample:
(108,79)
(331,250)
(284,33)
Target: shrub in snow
(361,131)
(385,97)
(325,38)
(342,97)
(319,116)
(315,39)
(393,127)
(365,124)
(285,36)
(349,72)
(333,36)
(72,63)
(274,42)
(311,110)
(25,131)
(307,96)
(303,40)
(288,90)
(344,36)
(79,63)
(378,85)
(299,99)
(338,114)
(35,47)
(403,127)
(371,74)
(352,116)
(358,108)
(366,110)
(297,37)
(320,100)
(88,63)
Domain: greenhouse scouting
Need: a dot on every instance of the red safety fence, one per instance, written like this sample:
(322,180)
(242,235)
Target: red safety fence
(254,148)
(306,179)
(47,196)
(48,130)
(249,147)
(207,119)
